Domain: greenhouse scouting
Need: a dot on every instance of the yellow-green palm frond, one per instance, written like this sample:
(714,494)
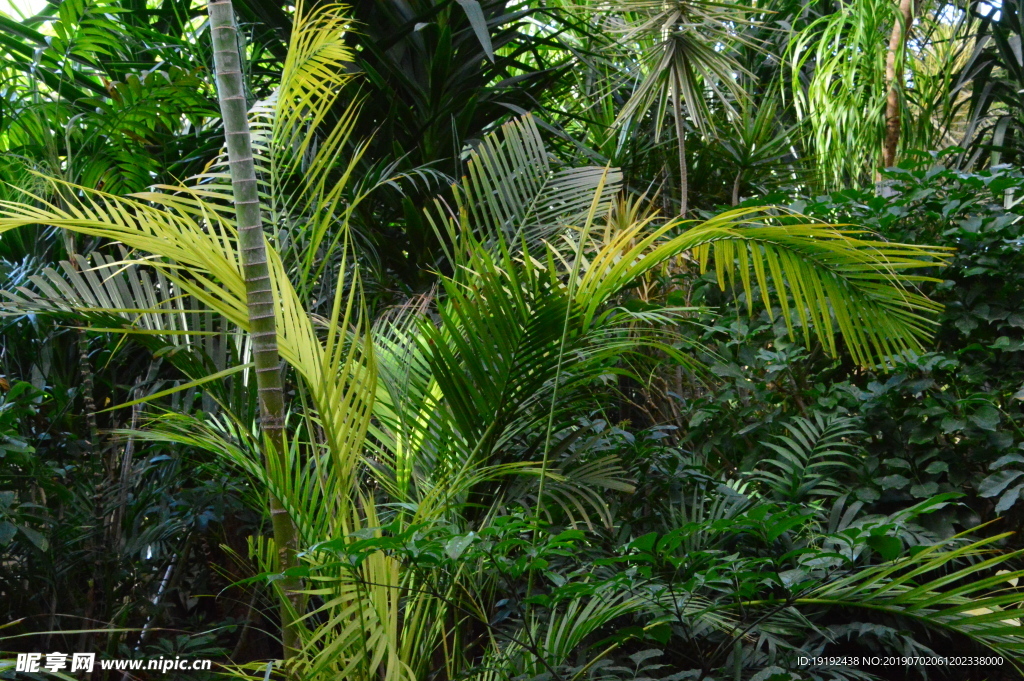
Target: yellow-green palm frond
(156,226)
(976,601)
(374,621)
(200,257)
(298,156)
(828,279)
(314,73)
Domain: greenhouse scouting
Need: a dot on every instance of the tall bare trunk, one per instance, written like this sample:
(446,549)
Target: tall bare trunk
(677,113)
(897,46)
(259,294)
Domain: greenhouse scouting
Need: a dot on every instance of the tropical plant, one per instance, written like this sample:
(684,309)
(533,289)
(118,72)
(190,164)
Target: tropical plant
(678,59)
(440,75)
(98,100)
(857,91)
(433,460)
(940,419)
(810,460)
(991,81)
(755,147)
(463,484)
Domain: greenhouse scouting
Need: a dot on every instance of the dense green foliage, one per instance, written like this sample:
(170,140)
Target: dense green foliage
(608,349)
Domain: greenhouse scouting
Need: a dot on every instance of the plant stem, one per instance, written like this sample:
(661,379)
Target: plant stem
(897,46)
(258,291)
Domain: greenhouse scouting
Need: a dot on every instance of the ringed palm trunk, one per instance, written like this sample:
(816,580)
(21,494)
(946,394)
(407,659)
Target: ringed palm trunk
(258,290)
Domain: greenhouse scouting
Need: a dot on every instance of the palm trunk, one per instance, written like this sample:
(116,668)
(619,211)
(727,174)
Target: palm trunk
(258,290)
(897,44)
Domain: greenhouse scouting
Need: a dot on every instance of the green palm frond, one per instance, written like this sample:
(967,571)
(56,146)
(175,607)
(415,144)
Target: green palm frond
(578,490)
(547,643)
(808,460)
(127,296)
(513,189)
(827,279)
(315,500)
(406,428)
(495,352)
(119,291)
(978,601)
(712,503)
(314,71)
(567,627)
(459,394)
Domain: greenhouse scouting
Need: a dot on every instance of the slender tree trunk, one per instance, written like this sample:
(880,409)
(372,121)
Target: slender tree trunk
(736,187)
(128,455)
(97,544)
(259,293)
(677,114)
(897,45)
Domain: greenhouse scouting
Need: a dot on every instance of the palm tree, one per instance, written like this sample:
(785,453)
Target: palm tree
(680,63)
(259,293)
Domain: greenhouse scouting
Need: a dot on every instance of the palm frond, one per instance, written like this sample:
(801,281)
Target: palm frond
(579,490)
(513,189)
(301,178)
(808,460)
(339,373)
(978,601)
(567,627)
(827,279)
(122,293)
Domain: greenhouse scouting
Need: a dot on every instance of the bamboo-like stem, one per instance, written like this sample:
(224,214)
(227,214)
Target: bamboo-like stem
(258,291)
(897,46)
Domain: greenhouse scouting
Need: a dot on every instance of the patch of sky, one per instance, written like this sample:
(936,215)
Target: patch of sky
(20,9)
